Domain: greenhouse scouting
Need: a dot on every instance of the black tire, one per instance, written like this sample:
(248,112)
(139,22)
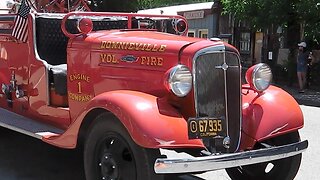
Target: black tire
(110,153)
(283,169)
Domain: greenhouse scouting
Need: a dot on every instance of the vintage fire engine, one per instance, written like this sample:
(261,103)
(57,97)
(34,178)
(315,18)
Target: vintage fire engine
(143,100)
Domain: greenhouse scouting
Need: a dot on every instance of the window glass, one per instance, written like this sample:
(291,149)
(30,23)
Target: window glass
(191,33)
(245,42)
(203,33)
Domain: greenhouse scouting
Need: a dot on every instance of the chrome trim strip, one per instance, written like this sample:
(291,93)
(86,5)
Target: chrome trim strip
(226,92)
(22,131)
(240,107)
(35,41)
(216,162)
(25,125)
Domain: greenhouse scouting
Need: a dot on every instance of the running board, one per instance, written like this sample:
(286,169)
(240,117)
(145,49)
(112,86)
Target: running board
(26,125)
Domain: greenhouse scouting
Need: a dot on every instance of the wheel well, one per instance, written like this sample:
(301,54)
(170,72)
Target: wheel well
(289,137)
(87,122)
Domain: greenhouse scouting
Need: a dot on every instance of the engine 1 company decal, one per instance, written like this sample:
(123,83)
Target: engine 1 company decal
(81,80)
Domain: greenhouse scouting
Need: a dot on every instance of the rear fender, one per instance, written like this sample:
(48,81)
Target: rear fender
(269,114)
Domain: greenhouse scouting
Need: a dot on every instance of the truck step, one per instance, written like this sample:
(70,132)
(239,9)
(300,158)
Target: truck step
(26,125)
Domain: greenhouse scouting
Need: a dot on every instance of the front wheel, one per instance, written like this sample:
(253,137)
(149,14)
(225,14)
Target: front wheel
(283,169)
(111,154)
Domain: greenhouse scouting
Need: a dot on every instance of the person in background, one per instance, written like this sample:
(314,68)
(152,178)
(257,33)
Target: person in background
(302,65)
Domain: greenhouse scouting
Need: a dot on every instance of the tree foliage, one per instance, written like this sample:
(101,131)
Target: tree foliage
(310,14)
(145,4)
(262,14)
(114,5)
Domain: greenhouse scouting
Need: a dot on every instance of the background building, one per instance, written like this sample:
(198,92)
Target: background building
(205,20)
(202,20)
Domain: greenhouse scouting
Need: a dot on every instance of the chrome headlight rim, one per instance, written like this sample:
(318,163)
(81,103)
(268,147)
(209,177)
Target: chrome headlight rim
(256,78)
(174,84)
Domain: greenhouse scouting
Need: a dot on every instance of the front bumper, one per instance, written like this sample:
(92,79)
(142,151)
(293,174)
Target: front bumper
(222,161)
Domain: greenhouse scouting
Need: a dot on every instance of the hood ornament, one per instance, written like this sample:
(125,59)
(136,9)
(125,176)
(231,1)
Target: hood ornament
(224,66)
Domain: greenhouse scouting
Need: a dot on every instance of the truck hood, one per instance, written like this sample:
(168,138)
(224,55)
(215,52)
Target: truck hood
(134,41)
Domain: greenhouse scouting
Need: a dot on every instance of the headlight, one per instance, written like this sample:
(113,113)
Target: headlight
(180,80)
(259,77)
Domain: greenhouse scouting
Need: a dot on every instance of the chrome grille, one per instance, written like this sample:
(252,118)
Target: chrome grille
(217,91)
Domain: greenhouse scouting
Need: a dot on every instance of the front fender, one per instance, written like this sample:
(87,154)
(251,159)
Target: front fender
(272,113)
(151,122)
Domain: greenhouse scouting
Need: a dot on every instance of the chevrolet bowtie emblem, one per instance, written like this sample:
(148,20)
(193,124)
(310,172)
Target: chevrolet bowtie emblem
(224,66)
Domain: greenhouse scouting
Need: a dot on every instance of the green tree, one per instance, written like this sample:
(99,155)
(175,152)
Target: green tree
(260,13)
(290,14)
(114,5)
(146,4)
(310,16)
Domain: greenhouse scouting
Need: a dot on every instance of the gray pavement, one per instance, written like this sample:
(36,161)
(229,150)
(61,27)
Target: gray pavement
(26,158)
(311,97)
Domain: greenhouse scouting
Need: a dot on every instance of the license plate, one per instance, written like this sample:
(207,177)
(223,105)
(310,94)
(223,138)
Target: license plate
(205,127)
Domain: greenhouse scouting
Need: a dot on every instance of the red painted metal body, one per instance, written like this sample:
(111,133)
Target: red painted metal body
(135,92)
(269,114)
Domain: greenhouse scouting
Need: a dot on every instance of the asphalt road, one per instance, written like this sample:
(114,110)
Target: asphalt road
(25,158)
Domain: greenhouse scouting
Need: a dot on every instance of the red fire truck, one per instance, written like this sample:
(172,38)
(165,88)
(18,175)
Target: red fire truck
(131,90)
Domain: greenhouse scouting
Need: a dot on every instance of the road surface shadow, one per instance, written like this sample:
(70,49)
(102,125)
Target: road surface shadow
(25,158)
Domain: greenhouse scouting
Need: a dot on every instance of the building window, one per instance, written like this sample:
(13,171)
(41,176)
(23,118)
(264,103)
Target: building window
(245,42)
(203,33)
(191,33)
(226,38)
